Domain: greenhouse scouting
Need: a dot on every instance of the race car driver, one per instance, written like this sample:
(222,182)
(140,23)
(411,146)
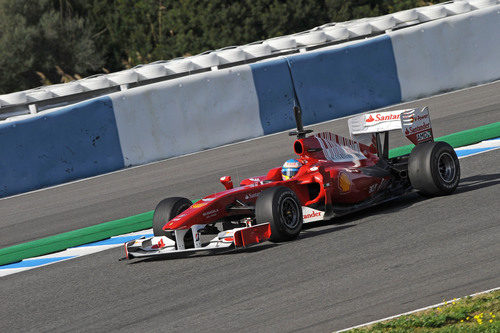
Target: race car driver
(290,168)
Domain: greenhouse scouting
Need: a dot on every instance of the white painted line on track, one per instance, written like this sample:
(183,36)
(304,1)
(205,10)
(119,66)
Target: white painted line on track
(417,310)
(72,252)
(117,241)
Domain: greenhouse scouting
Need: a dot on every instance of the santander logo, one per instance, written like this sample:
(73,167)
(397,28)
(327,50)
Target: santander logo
(382,117)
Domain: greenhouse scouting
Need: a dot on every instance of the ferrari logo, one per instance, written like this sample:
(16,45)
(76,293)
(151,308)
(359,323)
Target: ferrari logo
(344,183)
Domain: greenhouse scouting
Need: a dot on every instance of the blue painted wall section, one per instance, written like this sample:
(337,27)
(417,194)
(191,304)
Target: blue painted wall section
(74,142)
(329,83)
(275,94)
(344,81)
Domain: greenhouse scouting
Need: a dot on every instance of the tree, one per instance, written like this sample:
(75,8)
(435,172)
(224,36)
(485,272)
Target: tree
(147,30)
(39,36)
(80,36)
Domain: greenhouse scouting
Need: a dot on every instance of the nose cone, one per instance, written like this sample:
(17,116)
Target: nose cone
(181,221)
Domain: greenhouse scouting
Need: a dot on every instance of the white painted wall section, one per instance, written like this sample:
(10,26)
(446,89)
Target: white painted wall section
(187,114)
(451,53)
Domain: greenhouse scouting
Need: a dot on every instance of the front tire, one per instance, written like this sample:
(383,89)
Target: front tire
(166,210)
(434,169)
(280,207)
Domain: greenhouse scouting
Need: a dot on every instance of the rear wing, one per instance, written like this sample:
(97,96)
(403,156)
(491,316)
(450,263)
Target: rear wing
(415,124)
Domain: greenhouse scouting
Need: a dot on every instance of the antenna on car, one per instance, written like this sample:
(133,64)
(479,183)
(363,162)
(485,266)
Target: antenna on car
(297,110)
(300,132)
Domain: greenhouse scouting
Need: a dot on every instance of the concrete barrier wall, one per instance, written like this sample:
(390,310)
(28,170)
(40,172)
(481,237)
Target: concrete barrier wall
(52,148)
(330,83)
(274,90)
(210,109)
(344,80)
(448,54)
(186,115)
(198,112)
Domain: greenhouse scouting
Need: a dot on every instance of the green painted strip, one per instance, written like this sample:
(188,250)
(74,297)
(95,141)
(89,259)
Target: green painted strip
(144,220)
(458,139)
(77,237)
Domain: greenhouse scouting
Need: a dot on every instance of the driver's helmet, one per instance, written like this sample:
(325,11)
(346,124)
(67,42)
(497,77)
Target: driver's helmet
(290,168)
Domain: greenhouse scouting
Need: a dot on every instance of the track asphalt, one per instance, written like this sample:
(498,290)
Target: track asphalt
(383,261)
(380,262)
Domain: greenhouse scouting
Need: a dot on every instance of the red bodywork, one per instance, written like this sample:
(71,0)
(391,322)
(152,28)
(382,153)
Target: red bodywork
(331,173)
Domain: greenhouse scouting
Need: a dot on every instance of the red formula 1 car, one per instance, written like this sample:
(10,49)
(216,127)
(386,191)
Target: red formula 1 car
(338,176)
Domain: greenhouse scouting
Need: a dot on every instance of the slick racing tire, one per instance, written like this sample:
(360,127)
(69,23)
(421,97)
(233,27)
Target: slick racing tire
(434,169)
(280,207)
(166,210)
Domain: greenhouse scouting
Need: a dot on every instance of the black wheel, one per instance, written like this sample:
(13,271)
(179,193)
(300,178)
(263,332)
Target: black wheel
(434,169)
(280,207)
(166,210)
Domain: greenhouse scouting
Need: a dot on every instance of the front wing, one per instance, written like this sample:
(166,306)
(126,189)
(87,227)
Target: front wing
(224,241)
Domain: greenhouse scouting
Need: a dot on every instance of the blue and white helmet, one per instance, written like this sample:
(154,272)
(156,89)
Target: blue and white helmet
(290,168)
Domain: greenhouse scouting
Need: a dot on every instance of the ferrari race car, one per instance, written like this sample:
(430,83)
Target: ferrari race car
(337,176)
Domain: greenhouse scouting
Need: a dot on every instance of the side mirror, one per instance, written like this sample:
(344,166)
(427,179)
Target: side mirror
(227,182)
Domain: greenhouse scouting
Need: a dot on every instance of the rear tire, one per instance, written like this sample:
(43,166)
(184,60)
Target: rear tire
(280,207)
(434,169)
(166,210)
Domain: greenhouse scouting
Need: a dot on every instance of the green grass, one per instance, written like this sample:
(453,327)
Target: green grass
(470,314)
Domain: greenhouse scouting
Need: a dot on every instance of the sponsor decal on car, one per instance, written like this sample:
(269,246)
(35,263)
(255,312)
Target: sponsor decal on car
(199,204)
(344,183)
(373,118)
(416,125)
(423,136)
(311,215)
(251,195)
(210,213)
(416,129)
(420,118)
